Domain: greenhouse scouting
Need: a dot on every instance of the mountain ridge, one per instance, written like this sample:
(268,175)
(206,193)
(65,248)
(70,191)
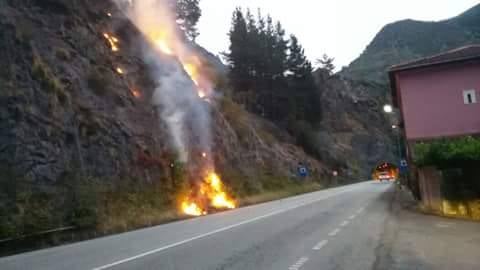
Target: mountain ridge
(408,39)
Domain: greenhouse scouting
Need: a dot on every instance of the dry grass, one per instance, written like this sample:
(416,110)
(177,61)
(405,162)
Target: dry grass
(130,213)
(50,82)
(280,194)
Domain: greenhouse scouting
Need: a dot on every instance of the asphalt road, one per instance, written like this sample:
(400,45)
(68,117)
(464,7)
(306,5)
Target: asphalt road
(338,228)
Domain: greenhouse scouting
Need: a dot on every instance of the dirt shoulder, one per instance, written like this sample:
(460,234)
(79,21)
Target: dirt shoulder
(412,240)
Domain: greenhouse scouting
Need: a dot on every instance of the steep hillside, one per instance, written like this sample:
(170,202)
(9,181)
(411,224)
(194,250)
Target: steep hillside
(409,39)
(81,142)
(355,134)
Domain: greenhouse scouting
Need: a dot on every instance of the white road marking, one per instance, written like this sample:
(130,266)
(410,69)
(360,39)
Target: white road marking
(334,232)
(361,210)
(352,217)
(345,223)
(110,265)
(320,245)
(444,225)
(299,264)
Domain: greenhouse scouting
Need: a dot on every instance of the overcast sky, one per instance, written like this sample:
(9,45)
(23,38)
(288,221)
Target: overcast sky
(340,28)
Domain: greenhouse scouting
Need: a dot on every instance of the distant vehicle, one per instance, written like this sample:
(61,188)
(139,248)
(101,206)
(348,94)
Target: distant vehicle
(385,172)
(385,176)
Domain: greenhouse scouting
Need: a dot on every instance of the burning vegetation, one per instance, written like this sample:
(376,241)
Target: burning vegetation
(209,194)
(163,33)
(112,41)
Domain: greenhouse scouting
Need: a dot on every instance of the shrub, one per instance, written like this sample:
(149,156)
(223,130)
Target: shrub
(305,136)
(458,160)
(448,153)
(84,212)
(48,80)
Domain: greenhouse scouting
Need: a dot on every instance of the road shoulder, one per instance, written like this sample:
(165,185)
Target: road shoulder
(412,240)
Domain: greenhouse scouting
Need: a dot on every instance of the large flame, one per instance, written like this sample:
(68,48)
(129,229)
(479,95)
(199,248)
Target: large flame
(219,198)
(212,194)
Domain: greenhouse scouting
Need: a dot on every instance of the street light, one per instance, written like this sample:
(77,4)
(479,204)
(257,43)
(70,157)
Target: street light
(388,108)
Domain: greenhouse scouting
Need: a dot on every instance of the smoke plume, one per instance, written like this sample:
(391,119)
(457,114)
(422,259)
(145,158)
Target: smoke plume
(177,70)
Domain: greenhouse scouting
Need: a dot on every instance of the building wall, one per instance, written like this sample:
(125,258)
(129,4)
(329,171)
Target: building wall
(433,104)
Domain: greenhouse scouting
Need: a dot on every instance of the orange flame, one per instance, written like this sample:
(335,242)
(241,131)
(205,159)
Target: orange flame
(219,198)
(161,41)
(212,190)
(163,46)
(136,93)
(120,71)
(167,43)
(192,209)
(113,41)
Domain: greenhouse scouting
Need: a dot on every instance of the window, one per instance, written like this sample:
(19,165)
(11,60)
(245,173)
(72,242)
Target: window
(469,97)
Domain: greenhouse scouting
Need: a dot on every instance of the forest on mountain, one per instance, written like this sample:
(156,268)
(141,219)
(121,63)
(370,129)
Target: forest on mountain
(270,74)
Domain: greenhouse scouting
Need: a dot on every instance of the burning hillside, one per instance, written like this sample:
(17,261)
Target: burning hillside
(188,116)
(93,107)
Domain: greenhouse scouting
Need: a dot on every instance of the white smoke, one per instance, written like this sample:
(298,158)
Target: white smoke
(187,116)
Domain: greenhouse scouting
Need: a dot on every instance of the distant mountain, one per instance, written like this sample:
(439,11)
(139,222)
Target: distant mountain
(409,39)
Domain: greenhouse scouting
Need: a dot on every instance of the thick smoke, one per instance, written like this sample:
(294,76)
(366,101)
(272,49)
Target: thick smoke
(186,115)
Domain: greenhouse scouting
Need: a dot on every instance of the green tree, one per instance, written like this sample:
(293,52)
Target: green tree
(238,57)
(188,15)
(302,84)
(326,63)
(259,59)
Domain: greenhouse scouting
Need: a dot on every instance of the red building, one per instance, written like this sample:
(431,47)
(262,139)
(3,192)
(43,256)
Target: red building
(439,96)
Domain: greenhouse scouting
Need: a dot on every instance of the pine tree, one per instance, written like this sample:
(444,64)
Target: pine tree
(302,84)
(326,63)
(188,15)
(238,57)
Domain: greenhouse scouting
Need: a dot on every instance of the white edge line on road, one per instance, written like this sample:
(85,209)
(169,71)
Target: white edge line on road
(299,263)
(352,217)
(215,231)
(320,245)
(361,210)
(345,223)
(334,232)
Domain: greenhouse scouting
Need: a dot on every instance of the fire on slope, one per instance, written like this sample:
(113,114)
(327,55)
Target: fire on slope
(209,194)
(112,41)
(167,44)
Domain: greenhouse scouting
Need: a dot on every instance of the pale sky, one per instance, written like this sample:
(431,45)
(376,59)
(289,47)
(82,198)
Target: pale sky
(339,28)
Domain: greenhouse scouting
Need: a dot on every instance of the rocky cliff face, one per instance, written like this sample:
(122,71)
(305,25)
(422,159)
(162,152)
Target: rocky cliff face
(355,134)
(65,106)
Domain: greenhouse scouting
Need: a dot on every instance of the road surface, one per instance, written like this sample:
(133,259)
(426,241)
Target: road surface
(338,228)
